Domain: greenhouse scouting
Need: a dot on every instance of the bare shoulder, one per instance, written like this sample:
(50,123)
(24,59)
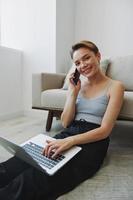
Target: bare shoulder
(117,87)
(117,84)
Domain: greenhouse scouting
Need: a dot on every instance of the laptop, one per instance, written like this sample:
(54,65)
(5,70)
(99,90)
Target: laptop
(31,152)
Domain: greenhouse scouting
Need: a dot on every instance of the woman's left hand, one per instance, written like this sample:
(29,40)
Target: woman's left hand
(57,146)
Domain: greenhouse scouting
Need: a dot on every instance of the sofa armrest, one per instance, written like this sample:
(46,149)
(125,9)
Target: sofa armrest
(52,80)
(45,81)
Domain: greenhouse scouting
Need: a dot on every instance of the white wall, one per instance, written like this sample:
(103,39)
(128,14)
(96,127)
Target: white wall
(0,21)
(11,102)
(108,23)
(29,25)
(45,30)
(65,28)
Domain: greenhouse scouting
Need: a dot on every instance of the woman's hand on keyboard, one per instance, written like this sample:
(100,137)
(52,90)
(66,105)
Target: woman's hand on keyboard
(56,147)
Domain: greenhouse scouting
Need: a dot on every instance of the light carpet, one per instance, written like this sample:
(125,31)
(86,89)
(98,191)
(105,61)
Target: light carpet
(114,181)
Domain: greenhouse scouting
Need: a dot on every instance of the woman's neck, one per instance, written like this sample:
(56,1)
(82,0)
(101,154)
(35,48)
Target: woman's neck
(97,78)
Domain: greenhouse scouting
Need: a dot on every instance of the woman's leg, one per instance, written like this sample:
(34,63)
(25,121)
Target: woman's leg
(83,166)
(32,184)
(35,185)
(10,169)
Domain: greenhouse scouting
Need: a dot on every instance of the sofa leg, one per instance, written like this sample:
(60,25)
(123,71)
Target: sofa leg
(49,120)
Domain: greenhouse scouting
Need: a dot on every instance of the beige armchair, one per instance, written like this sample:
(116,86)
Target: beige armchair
(47,94)
(49,91)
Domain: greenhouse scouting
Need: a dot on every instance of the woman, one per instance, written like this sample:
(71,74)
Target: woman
(88,117)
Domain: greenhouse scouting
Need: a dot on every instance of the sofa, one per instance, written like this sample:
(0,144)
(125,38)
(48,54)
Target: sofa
(49,90)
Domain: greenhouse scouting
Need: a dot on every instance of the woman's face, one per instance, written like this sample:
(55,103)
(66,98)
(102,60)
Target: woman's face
(86,61)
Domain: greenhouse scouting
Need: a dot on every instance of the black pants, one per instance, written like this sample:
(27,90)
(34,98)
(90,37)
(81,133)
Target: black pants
(20,181)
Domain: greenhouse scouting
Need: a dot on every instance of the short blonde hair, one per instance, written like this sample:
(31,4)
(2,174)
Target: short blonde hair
(84,44)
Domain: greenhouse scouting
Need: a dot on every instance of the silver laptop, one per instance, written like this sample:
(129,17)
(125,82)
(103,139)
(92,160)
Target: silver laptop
(31,152)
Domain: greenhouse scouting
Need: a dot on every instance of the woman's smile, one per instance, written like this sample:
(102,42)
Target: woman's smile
(87,70)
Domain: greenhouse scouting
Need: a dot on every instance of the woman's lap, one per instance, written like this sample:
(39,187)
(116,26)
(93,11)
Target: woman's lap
(84,165)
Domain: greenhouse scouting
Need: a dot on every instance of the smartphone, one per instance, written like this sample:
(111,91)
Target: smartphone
(76,76)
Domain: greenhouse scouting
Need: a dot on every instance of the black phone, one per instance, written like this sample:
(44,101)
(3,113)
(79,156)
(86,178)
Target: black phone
(76,76)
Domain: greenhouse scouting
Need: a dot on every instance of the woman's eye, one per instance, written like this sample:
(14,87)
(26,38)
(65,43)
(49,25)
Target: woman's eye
(87,58)
(77,64)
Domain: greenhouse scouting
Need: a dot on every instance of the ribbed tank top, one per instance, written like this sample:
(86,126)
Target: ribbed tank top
(93,109)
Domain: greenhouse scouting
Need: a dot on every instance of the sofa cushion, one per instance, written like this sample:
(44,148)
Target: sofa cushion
(53,98)
(121,68)
(127,108)
(104,65)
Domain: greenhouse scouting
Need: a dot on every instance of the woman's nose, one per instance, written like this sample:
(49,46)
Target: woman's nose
(82,63)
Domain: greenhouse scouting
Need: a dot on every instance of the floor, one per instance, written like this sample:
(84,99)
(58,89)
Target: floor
(114,181)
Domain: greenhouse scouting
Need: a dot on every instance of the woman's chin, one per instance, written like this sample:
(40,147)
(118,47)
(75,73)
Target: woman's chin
(88,75)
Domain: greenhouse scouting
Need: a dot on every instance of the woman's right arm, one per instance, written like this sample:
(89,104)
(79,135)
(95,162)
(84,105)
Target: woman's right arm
(68,113)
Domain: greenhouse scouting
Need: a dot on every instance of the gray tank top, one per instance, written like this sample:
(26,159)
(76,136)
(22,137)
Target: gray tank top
(92,110)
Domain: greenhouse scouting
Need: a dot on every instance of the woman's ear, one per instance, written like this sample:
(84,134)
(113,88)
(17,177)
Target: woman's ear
(98,56)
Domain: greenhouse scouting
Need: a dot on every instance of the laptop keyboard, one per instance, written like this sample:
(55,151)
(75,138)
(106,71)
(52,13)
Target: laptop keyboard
(36,152)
